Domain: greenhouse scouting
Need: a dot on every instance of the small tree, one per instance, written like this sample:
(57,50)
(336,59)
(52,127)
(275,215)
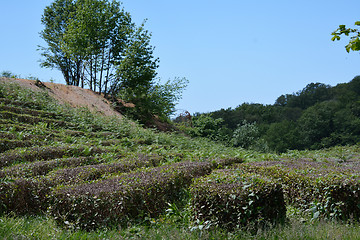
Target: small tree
(245,135)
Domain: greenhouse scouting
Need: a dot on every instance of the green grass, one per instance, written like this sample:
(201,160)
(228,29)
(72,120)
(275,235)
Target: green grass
(46,228)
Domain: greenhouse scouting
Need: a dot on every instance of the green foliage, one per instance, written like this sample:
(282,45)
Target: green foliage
(325,189)
(317,116)
(55,21)
(233,199)
(82,170)
(283,136)
(158,100)
(164,97)
(206,126)
(354,42)
(129,196)
(95,42)
(245,135)
(6,74)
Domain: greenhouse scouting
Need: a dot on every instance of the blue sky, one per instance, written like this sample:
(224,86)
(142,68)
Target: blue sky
(231,51)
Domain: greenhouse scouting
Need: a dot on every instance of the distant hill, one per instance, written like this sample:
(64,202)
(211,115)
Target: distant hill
(315,117)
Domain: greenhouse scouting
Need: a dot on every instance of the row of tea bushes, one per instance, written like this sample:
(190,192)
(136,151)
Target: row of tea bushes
(27,188)
(23,104)
(29,119)
(32,112)
(7,144)
(40,168)
(329,190)
(80,174)
(233,198)
(45,153)
(128,196)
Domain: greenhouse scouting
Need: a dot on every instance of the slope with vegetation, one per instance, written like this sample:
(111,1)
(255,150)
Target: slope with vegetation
(86,174)
(316,117)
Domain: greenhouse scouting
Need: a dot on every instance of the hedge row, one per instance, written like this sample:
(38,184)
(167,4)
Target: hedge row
(35,113)
(145,192)
(45,153)
(233,198)
(39,168)
(129,196)
(25,136)
(6,144)
(23,196)
(31,105)
(76,175)
(329,190)
(32,120)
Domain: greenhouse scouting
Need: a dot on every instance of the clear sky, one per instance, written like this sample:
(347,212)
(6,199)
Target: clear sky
(231,51)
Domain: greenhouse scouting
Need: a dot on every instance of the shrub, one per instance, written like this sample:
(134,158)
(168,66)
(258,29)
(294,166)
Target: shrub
(329,190)
(81,174)
(45,153)
(23,196)
(6,144)
(25,104)
(245,135)
(39,168)
(129,196)
(232,199)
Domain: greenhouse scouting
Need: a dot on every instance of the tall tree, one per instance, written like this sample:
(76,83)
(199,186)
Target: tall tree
(136,72)
(98,33)
(95,42)
(55,20)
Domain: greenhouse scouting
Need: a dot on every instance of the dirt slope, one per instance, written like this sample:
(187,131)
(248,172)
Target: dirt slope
(75,96)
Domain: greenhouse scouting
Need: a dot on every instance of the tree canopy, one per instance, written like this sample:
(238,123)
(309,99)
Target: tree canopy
(317,116)
(95,43)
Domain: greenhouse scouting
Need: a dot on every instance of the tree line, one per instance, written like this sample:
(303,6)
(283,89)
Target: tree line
(95,44)
(315,117)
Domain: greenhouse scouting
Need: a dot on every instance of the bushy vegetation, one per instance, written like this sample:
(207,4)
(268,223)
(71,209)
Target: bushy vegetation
(319,116)
(98,177)
(233,199)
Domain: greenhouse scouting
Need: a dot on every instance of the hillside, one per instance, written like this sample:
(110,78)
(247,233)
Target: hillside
(68,172)
(318,116)
(72,95)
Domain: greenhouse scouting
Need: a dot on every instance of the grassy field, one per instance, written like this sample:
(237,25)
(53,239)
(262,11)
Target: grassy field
(68,173)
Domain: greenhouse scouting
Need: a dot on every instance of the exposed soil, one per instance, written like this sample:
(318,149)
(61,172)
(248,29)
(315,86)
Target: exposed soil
(75,96)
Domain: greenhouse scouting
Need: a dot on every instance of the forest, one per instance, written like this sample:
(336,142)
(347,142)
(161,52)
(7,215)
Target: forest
(318,116)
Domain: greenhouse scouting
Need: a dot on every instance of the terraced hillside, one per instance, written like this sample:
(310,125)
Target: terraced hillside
(91,171)
(54,159)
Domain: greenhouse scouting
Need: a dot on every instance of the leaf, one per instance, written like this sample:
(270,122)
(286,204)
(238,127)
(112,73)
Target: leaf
(336,37)
(357,23)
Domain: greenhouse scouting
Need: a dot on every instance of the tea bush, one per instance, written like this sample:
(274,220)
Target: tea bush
(126,197)
(233,199)
(328,190)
